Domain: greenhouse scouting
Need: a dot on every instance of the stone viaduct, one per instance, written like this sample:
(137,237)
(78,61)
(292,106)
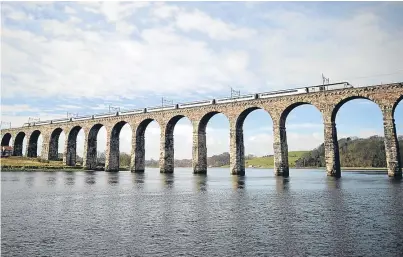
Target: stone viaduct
(328,102)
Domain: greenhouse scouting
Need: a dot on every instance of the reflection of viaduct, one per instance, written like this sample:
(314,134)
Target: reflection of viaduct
(328,102)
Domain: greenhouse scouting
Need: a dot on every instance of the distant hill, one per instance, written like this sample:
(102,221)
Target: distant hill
(354,152)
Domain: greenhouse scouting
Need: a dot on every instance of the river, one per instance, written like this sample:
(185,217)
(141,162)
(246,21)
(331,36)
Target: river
(181,214)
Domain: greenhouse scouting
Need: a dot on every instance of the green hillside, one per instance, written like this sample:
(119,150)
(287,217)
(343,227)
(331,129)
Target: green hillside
(354,152)
(268,161)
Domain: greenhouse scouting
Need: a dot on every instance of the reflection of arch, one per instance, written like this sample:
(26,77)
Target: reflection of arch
(139,149)
(54,144)
(33,144)
(91,160)
(18,143)
(345,100)
(112,163)
(71,151)
(5,141)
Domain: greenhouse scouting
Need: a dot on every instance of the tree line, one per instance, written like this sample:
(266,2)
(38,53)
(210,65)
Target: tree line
(354,152)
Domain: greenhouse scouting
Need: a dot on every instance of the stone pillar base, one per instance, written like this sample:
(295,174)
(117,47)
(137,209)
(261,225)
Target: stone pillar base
(166,170)
(239,172)
(334,173)
(138,171)
(199,171)
(284,172)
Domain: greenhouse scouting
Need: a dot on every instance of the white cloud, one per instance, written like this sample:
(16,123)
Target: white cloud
(214,28)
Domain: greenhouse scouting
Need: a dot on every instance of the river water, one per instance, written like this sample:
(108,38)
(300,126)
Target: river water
(152,214)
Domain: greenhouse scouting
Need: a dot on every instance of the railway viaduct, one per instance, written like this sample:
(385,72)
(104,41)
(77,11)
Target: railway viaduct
(328,102)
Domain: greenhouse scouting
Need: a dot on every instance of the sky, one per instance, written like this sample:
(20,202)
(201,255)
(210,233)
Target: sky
(81,57)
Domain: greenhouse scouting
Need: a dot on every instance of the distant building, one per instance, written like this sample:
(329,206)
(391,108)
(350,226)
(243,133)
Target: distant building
(6,151)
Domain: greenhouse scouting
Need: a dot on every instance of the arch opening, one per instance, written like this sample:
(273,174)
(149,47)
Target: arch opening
(301,134)
(361,136)
(56,144)
(74,147)
(96,144)
(398,116)
(120,140)
(35,144)
(257,128)
(146,151)
(19,144)
(178,143)
(6,139)
(6,142)
(214,142)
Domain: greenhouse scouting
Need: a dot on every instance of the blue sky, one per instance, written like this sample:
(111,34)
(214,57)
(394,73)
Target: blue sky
(79,57)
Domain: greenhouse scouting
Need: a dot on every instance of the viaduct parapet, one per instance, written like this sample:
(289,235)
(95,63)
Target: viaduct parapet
(278,105)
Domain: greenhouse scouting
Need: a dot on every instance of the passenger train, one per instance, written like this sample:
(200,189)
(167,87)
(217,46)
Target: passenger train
(286,92)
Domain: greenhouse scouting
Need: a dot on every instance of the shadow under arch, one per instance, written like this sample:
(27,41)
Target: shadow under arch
(91,158)
(19,144)
(138,161)
(200,143)
(33,144)
(5,141)
(54,144)
(71,151)
(113,162)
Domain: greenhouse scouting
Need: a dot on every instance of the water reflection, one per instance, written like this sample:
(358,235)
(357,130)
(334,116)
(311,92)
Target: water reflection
(238,182)
(70,178)
(51,179)
(333,183)
(167,179)
(113,178)
(138,179)
(29,180)
(90,177)
(282,184)
(200,182)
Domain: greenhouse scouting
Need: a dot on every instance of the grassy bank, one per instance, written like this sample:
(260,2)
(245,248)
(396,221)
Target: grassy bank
(25,163)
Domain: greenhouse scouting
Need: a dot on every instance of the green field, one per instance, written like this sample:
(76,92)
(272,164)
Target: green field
(268,162)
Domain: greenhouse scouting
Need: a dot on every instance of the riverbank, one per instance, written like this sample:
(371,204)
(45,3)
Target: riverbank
(15,163)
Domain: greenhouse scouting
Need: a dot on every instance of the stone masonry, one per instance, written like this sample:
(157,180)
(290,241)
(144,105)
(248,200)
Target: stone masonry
(327,102)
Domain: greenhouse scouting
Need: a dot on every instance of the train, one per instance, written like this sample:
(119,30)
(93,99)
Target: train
(264,95)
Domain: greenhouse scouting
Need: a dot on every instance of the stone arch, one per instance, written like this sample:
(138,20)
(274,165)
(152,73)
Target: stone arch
(280,145)
(91,144)
(71,150)
(239,125)
(54,143)
(167,152)
(112,163)
(242,116)
(206,118)
(18,144)
(345,100)
(200,142)
(33,143)
(5,141)
(138,156)
(289,108)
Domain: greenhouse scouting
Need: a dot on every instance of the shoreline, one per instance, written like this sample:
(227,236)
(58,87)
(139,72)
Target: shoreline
(49,168)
